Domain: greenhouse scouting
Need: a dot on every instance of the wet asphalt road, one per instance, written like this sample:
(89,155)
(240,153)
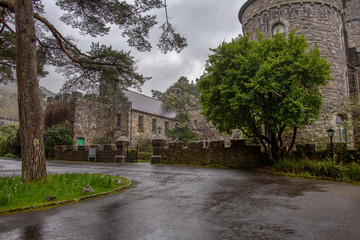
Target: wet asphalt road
(174,202)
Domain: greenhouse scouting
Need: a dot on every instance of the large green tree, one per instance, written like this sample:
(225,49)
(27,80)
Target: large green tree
(179,95)
(83,70)
(264,87)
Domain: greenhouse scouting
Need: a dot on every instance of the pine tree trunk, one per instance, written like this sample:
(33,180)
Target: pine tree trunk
(30,113)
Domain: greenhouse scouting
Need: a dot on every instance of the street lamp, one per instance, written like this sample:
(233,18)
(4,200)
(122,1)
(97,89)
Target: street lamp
(159,128)
(331,133)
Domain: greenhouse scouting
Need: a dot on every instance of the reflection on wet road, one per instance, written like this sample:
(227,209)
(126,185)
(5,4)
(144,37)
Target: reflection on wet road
(174,202)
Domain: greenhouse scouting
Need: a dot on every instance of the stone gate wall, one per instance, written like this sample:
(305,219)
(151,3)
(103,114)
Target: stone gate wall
(237,155)
(104,153)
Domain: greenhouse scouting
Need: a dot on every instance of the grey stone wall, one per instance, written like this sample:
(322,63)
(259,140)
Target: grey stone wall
(147,134)
(322,24)
(202,128)
(104,153)
(92,119)
(121,106)
(236,155)
(352,23)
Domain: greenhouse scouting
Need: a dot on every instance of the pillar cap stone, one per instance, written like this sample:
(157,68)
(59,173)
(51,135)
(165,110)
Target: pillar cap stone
(122,139)
(159,137)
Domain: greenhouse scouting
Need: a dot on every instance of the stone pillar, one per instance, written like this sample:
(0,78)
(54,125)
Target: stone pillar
(158,143)
(122,145)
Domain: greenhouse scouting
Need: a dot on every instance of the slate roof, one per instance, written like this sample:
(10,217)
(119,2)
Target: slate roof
(149,105)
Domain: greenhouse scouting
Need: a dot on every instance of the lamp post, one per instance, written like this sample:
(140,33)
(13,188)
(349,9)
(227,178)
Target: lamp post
(331,133)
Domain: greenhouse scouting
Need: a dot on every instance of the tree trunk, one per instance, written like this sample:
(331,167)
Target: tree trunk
(30,113)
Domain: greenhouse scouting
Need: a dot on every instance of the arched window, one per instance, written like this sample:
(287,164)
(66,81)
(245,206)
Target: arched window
(278,28)
(341,133)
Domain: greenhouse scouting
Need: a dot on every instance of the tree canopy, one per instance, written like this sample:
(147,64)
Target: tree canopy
(269,83)
(84,70)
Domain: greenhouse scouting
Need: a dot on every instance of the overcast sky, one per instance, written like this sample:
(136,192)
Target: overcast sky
(204,23)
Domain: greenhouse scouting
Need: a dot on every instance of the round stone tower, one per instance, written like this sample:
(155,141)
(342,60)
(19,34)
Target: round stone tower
(352,27)
(322,22)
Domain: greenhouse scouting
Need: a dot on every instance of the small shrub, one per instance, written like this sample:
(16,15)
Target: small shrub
(288,165)
(352,171)
(61,134)
(182,133)
(132,155)
(145,156)
(3,150)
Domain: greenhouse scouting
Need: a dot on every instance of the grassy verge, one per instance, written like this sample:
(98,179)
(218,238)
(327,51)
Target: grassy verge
(324,169)
(143,161)
(15,194)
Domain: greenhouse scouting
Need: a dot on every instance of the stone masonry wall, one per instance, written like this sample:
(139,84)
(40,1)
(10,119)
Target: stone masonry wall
(352,23)
(202,128)
(92,119)
(352,26)
(237,155)
(322,24)
(147,134)
(104,153)
(121,106)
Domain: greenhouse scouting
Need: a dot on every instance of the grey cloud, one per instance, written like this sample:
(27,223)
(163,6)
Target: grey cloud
(205,24)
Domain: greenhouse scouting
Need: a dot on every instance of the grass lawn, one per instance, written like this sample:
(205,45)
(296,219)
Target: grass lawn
(16,194)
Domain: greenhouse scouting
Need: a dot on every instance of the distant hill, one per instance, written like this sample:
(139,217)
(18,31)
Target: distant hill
(8,103)
(8,100)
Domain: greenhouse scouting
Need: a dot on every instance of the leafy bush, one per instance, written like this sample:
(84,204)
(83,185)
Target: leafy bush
(145,145)
(6,130)
(352,171)
(61,134)
(183,134)
(145,156)
(3,150)
(13,144)
(132,155)
(10,140)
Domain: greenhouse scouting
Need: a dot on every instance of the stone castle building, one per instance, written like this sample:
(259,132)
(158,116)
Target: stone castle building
(334,25)
(134,115)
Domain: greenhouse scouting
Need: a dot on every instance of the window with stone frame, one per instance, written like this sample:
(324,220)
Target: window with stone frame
(141,123)
(167,126)
(154,125)
(195,124)
(118,121)
(341,131)
(278,28)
